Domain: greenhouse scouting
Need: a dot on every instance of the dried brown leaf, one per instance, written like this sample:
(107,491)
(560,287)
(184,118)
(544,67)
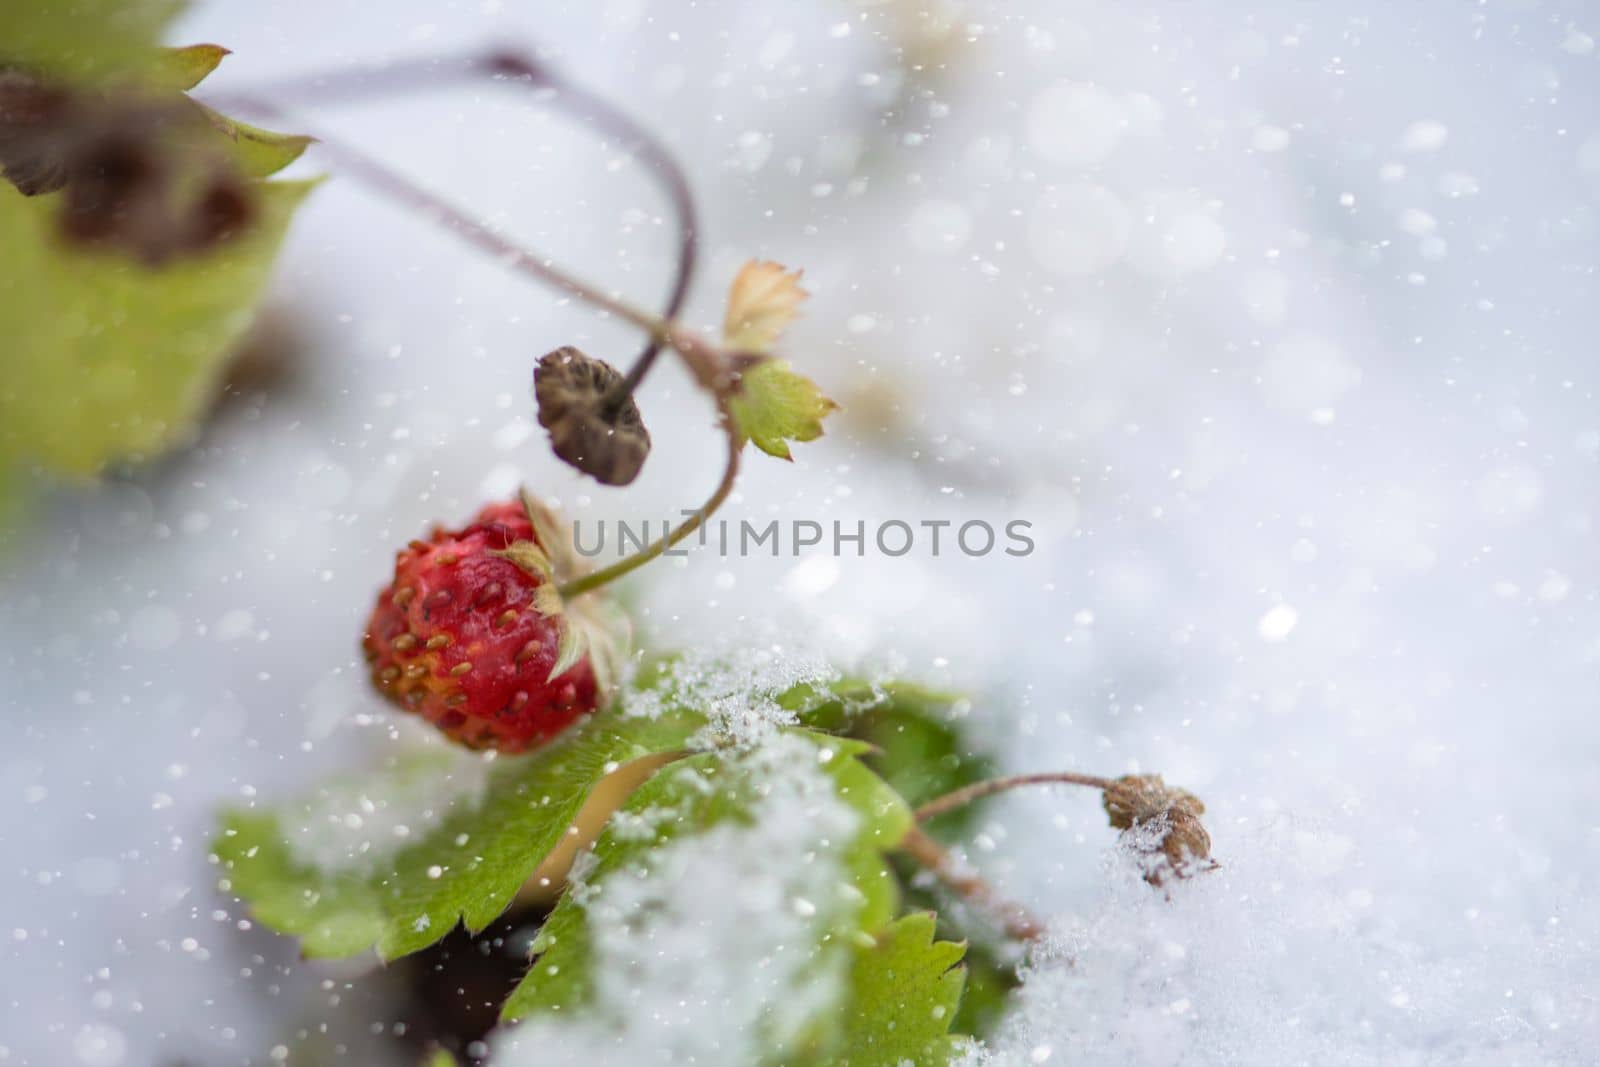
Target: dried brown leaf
(764,299)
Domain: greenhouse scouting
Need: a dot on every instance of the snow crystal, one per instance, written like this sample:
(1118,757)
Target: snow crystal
(705,951)
(735,689)
(357,826)
(1277,623)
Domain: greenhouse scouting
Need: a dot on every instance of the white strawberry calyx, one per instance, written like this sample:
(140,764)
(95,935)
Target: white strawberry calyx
(592,626)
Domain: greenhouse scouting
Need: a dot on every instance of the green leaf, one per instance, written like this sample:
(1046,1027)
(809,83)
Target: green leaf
(904,994)
(181,69)
(774,406)
(746,852)
(110,359)
(86,41)
(481,829)
(922,745)
(107,359)
(256,152)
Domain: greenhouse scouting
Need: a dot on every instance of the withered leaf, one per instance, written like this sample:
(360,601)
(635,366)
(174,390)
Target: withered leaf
(763,300)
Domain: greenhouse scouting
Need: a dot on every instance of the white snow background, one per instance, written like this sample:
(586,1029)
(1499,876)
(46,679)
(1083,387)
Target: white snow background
(1277,320)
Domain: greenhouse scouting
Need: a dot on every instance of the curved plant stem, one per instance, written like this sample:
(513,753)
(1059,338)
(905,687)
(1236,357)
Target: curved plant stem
(352,83)
(396,187)
(978,790)
(730,474)
(711,368)
(1013,917)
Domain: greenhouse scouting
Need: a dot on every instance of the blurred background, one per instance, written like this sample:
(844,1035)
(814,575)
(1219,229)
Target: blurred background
(1276,320)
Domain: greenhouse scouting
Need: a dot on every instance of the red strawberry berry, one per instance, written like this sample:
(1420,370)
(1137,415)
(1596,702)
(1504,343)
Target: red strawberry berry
(468,639)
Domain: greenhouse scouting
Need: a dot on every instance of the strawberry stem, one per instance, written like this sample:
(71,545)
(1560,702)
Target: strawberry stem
(933,857)
(989,787)
(730,473)
(714,369)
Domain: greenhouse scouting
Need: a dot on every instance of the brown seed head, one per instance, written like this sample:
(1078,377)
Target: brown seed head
(1160,822)
(589,428)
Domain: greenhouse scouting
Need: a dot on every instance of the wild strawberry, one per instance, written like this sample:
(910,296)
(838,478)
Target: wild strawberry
(472,634)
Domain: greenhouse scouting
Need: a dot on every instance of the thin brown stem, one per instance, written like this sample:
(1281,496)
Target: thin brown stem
(713,369)
(352,83)
(730,474)
(1013,917)
(979,790)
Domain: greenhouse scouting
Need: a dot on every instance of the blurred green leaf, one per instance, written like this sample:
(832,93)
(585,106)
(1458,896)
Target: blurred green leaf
(86,41)
(107,359)
(256,152)
(463,863)
(181,69)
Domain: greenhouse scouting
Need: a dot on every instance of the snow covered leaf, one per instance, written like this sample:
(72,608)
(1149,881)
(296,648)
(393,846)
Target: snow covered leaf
(337,870)
(716,918)
(904,993)
(921,744)
(774,406)
(762,301)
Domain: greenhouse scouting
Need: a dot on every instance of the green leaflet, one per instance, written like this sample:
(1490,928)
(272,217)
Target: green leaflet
(256,152)
(725,845)
(467,867)
(181,69)
(904,993)
(775,405)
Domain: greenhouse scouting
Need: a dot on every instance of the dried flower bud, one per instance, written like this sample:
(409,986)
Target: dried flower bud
(602,437)
(1160,823)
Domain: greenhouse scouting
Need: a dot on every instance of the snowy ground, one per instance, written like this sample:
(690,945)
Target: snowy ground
(1276,320)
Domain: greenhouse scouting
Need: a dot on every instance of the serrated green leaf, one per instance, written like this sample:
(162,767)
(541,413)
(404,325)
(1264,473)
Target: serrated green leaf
(181,69)
(905,990)
(106,359)
(466,867)
(258,153)
(774,406)
(637,858)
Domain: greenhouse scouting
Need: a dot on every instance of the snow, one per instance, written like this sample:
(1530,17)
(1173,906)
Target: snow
(360,824)
(1300,951)
(1400,790)
(735,687)
(708,952)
